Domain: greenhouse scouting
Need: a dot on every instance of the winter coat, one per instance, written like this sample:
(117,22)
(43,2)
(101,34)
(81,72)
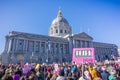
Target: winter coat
(105,75)
(95,74)
(112,77)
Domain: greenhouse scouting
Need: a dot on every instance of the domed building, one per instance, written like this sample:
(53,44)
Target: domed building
(60,26)
(57,47)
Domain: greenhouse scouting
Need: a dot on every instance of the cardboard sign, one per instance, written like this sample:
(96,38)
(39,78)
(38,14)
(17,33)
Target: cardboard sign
(56,69)
(83,55)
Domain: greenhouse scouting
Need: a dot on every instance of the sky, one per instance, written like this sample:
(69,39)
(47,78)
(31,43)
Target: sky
(98,18)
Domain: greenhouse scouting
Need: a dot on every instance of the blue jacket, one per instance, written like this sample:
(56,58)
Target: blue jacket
(105,75)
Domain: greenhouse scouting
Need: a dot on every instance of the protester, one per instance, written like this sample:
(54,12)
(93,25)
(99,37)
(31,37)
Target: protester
(57,71)
(61,76)
(104,73)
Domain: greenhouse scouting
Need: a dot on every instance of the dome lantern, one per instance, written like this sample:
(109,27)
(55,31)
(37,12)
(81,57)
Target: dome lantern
(59,13)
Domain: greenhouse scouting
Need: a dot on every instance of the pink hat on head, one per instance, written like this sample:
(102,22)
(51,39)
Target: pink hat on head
(103,68)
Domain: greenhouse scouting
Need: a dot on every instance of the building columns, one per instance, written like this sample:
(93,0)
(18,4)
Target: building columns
(9,46)
(16,44)
(24,42)
(26,47)
(81,43)
(39,47)
(34,45)
(6,44)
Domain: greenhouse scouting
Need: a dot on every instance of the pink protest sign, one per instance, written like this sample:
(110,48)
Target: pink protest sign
(83,55)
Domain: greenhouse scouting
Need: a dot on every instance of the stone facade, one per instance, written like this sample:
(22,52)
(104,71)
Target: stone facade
(119,51)
(57,47)
(30,47)
(104,51)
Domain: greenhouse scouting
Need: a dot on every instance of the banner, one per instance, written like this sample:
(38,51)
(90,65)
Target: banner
(83,55)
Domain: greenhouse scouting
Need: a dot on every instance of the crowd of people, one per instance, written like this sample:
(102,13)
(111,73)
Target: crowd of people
(61,71)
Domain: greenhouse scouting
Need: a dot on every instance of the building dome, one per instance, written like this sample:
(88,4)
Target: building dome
(59,18)
(60,26)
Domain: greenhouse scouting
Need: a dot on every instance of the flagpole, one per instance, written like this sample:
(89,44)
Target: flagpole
(48,46)
(32,57)
(82,68)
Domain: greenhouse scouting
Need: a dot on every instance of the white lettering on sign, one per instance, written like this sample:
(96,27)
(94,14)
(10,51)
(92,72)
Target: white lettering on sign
(83,53)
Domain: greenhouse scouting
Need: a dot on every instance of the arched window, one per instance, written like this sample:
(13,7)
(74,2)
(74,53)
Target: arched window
(56,31)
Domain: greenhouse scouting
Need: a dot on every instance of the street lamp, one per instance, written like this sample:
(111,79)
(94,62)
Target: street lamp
(48,46)
(31,57)
(61,49)
(10,59)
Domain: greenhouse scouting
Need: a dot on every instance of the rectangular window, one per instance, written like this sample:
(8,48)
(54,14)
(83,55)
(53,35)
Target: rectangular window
(20,44)
(56,31)
(65,31)
(43,47)
(37,46)
(61,31)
